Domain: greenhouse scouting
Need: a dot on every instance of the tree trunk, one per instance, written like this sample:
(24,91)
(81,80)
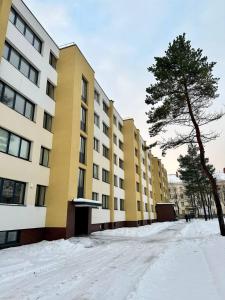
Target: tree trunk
(203,205)
(212,180)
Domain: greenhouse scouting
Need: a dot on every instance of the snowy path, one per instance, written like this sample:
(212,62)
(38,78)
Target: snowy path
(167,260)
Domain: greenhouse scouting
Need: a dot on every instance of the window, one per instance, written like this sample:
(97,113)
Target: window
(52,60)
(22,26)
(82,154)
(11,191)
(114,120)
(105,176)
(105,129)
(115,203)
(143,161)
(14,145)
(120,127)
(115,180)
(95,171)
(137,169)
(105,107)
(47,122)
(115,139)
(136,152)
(80,188)
(50,90)
(122,206)
(137,187)
(145,191)
(17,102)
(96,96)
(105,151)
(121,183)
(95,196)
(121,145)
(44,157)
(96,120)
(40,195)
(139,205)
(121,164)
(115,159)
(83,119)
(105,201)
(84,85)
(146,207)
(20,63)
(144,175)
(9,238)
(96,144)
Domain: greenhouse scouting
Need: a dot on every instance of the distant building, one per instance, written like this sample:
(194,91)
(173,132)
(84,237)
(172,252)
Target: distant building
(220,178)
(178,196)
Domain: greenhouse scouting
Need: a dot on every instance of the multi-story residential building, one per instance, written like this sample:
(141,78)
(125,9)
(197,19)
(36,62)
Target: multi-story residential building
(69,163)
(137,176)
(177,195)
(159,181)
(28,79)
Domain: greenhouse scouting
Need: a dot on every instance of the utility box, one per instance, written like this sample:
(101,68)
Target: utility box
(165,212)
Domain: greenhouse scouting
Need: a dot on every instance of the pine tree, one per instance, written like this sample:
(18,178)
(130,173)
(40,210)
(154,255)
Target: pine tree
(184,90)
(196,183)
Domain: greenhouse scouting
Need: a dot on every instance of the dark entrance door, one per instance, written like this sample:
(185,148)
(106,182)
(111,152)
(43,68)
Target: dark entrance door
(82,217)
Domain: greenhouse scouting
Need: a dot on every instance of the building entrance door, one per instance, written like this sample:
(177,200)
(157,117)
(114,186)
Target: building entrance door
(82,220)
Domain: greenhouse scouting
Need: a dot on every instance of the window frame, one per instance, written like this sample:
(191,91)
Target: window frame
(105,150)
(95,171)
(105,201)
(52,58)
(50,89)
(20,145)
(105,129)
(84,83)
(42,156)
(105,176)
(21,57)
(38,193)
(46,119)
(14,194)
(96,142)
(2,94)
(35,36)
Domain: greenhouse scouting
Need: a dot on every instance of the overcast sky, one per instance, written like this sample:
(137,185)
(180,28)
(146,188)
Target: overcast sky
(120,39)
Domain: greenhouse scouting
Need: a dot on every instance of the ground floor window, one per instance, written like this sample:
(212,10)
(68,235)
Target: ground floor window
(11,191)
(122,206)
(40,195)
(9,238)
(139,205)
(105,201)
(115,203)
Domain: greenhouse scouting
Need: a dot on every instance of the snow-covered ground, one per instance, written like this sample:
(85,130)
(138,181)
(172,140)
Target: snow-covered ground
(161,261)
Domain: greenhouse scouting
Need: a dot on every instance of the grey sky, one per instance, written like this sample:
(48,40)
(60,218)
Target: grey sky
(120,39)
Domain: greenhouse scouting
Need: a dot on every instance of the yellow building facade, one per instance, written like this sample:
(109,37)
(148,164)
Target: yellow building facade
(86,168)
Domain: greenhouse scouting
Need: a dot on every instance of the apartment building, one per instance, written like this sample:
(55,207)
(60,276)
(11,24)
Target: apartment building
(137,177)
(28,78)
(159,181)
(220,178)
(177,196)
(69,163)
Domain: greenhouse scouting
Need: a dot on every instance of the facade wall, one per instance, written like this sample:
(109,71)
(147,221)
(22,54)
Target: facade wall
(66,142)
(28,171)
